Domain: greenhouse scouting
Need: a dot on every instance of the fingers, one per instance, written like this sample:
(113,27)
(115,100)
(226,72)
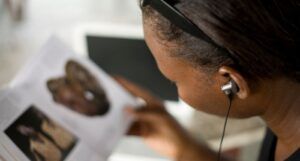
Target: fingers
(139,92)
(149,115)
(138,127)
(145,118)
(135,129)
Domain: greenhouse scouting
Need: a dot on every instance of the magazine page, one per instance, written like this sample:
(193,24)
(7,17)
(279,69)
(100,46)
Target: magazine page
(28,133)
(4,154)
(3,91)
(78,96)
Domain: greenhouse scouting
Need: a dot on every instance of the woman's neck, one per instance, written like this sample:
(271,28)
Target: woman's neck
(282,115)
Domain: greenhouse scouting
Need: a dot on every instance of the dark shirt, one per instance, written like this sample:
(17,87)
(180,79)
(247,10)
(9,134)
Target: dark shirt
(267,152)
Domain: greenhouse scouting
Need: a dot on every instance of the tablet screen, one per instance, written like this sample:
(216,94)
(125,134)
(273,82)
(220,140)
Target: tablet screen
(131,59)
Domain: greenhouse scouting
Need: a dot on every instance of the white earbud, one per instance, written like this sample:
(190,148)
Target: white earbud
(230,88)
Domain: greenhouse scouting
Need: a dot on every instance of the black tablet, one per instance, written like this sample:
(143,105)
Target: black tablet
(121,50)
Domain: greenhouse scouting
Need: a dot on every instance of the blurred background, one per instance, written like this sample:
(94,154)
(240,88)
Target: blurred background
(25,25)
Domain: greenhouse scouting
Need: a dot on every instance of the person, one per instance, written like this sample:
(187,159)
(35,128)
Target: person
(60,136)
(41,147)
(253,44)
(79,91)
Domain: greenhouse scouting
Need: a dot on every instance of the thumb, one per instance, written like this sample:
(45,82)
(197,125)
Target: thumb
(142,123)
(148,115)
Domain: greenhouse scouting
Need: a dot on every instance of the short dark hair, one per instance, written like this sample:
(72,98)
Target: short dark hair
(262,35)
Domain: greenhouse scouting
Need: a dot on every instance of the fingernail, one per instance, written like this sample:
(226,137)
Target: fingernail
(141,102)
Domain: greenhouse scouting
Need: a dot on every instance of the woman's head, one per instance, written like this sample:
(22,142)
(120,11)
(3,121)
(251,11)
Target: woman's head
(261,36)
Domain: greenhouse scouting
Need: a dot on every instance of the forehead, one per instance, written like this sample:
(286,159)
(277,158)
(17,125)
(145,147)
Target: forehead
(171,66)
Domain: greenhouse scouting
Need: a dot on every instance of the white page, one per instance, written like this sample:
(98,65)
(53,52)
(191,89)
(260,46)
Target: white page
(4,154)
(3,91)
(99,131)
(22,149)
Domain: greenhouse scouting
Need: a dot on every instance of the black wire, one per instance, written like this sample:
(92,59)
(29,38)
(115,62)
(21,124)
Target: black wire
(224,128)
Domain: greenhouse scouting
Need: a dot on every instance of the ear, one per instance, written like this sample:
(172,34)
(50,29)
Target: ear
(244,89)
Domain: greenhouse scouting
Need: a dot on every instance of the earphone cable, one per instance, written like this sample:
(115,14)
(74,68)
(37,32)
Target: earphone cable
(224,128)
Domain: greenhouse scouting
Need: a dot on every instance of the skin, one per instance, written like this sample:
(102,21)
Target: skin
(276,101)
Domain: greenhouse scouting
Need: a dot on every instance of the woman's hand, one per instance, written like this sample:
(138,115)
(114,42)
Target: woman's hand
(158,128)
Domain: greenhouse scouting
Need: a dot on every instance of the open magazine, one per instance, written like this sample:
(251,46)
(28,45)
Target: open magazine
(62,107)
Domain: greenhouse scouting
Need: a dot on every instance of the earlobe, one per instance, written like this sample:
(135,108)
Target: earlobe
(240,81)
